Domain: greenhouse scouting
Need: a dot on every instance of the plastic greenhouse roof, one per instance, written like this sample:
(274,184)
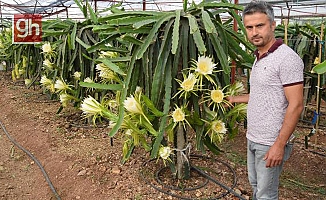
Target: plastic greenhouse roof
(36,6)
(44,7)
(297,9)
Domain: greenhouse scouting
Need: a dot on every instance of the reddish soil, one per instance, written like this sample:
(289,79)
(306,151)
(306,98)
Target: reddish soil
(82,163)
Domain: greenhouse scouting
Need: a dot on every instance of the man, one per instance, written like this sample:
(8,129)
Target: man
(275,101)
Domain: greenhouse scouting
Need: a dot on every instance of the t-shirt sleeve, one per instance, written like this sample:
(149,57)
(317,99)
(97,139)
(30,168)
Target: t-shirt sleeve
(291,70)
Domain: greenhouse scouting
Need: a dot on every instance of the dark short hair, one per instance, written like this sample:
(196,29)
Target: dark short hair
(261,7)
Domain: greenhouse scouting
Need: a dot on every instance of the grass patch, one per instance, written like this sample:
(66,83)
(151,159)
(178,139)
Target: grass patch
(295,183)
(236,158)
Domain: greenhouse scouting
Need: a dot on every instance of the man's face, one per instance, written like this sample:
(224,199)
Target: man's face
(259,29)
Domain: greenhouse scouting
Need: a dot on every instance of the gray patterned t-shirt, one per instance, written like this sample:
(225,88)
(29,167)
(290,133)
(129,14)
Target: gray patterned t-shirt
(267,102)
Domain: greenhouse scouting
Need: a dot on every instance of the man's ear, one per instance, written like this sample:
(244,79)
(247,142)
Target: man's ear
(273,25)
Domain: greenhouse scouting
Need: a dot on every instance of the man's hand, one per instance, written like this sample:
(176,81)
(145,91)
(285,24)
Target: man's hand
(274,156)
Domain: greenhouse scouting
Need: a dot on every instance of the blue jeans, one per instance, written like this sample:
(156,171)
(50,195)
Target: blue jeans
(264,181)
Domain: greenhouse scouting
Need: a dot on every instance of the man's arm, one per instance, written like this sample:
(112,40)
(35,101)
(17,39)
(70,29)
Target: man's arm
(238,99)
(294,95)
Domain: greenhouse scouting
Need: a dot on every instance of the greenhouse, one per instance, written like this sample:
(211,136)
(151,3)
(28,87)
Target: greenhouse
(153,99)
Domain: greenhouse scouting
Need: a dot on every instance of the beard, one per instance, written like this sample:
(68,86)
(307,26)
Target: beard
(258,41)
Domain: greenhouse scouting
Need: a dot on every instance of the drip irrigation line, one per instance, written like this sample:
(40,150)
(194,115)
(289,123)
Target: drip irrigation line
(203,174)
(315,152)
(230,190)
(318,153)
(313,146)
(178,188)
(33,158)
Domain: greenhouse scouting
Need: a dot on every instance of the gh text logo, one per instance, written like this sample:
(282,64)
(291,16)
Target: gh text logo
(27,29)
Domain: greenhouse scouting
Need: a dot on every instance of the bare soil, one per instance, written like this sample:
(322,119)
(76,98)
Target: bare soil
(82,162)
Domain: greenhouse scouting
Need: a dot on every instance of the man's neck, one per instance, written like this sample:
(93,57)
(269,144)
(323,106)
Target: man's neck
(264,49)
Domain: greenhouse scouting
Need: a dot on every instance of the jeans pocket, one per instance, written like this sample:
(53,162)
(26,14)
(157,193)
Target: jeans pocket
(287,151)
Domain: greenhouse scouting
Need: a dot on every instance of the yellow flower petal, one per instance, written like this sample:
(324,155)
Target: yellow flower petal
(61,85)
(178,115)
(77,75)
(165,152)
(45,81)
(189,83)
(205,65)
(47,63)
(218,126)
(46,48)
(91,107)
(64,99)
(132,105)
(88,80)
(217,96)
(28,81)
(316,62)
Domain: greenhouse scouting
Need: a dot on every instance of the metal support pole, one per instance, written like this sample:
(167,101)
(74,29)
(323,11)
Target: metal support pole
(318,85)
(95,5)
(233,68)
(144,4)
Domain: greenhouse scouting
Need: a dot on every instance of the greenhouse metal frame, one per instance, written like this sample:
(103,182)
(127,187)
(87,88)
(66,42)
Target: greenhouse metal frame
(295,9)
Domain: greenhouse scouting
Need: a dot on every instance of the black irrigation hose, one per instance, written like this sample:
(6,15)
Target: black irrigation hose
(178,188)
(315,152)
(205,175)
(34,159)
(230,190)
(318,153)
